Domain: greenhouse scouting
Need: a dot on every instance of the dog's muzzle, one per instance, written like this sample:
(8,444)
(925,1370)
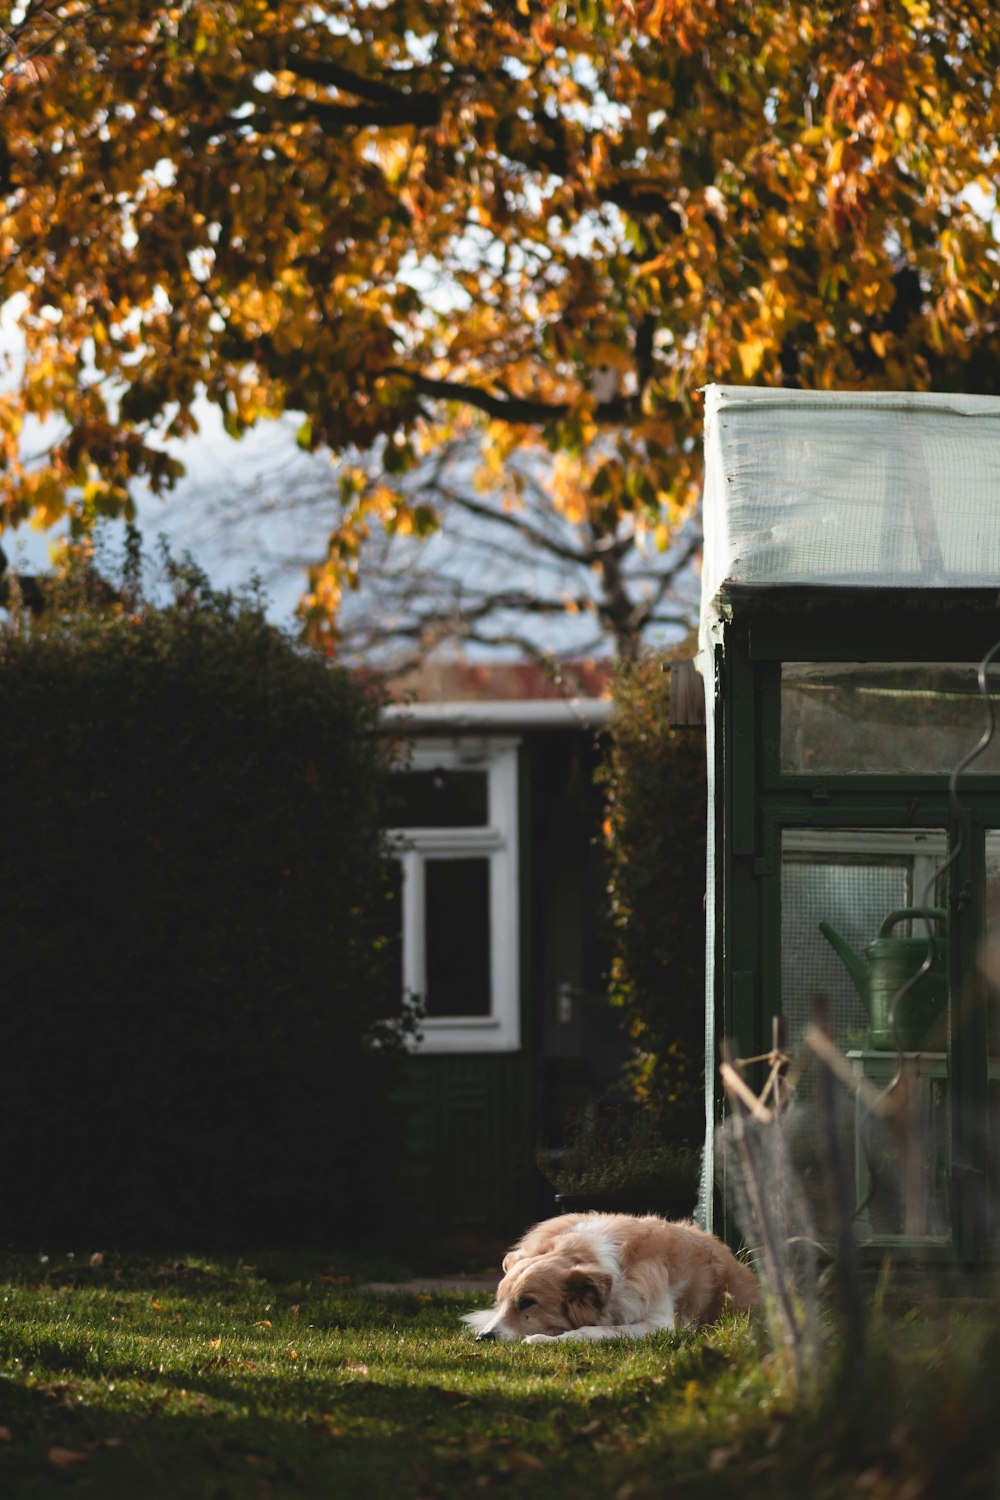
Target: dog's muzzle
(487,1336)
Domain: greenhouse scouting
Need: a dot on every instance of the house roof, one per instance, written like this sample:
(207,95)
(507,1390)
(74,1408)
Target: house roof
(452,694)
(505,714)
(452,678)
(849,489)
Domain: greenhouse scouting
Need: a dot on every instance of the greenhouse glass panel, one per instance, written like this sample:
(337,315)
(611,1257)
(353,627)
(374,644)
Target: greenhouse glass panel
(890,718)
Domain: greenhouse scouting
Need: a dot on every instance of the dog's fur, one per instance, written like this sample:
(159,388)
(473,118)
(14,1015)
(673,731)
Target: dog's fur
(601,1276)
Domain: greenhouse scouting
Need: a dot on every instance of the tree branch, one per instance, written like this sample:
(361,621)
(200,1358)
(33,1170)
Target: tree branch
(334,75)
(516,523)
(419,110)
(517,409)
(667,576)
(645,200)
(644,356)
(11,36)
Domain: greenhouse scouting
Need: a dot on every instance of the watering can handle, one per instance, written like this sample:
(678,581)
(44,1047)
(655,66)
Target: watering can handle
(935,913)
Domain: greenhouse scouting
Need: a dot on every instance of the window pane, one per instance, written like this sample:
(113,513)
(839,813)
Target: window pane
(989,958)
(989,965)
(439,799)
(852,894)
(854,717)
(458,937)
(860,964)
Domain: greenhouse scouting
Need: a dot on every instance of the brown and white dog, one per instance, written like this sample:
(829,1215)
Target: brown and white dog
(604,1276)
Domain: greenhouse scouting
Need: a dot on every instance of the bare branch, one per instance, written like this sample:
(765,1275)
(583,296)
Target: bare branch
(11,38)
(331,74)
(516,521)
(516,409)
(403,109)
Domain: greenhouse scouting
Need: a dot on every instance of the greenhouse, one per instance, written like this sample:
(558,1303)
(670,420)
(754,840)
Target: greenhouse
(850,619)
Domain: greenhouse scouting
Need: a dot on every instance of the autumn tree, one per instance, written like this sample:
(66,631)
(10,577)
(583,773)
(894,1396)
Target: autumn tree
(401,218)
(530,576)
(472,569)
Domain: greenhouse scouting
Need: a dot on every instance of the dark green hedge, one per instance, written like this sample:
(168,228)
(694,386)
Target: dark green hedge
(191,872)
(655,781)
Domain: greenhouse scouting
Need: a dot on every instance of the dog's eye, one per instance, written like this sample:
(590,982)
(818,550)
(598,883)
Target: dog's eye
(523,1303)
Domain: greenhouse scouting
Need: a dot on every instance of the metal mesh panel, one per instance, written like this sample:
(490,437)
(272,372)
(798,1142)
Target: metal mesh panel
(853,893)
(990,956)
(870,489)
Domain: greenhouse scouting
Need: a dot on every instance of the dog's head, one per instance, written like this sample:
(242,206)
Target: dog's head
(543,1294)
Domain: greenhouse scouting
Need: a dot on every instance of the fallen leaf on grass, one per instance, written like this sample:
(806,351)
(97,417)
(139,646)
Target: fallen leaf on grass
(65,1458)
(259,1460)
(327,1423)
(719,1458)
(479,1446)
(57,1390)
(522,1463)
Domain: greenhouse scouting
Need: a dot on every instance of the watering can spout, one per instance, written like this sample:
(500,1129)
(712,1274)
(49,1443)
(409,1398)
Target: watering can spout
(853,962)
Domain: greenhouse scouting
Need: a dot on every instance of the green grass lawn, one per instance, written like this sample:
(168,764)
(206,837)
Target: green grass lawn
(144,1379)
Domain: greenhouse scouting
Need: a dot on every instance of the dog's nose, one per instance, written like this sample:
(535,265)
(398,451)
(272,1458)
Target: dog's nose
(486,1334)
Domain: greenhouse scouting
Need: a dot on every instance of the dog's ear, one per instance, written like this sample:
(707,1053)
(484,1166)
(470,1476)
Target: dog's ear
(586,1291)
(511,1259)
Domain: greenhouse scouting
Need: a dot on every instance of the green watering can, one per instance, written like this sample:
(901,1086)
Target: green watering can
(889,962)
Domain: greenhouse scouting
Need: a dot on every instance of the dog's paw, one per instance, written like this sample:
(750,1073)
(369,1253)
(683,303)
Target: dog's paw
(541,1338)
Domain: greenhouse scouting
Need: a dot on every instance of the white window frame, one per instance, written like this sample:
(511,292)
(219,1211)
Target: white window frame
(496,841)
(925,848)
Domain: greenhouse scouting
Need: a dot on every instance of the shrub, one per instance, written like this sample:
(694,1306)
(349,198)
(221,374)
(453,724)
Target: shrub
(655,782)
(191,877)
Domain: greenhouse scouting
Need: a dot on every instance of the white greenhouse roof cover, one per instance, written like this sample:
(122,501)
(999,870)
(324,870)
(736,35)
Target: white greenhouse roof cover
(849,489)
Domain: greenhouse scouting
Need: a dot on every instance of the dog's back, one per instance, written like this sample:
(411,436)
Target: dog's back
(707,1274)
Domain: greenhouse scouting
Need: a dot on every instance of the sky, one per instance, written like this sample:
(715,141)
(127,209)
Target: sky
(234,512)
